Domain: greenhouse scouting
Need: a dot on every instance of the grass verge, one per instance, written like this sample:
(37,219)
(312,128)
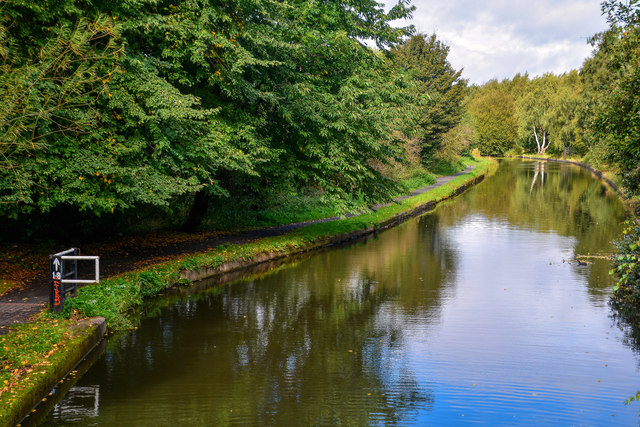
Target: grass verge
(290,207)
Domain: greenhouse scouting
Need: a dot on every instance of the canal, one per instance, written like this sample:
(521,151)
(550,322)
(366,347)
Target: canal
(474,313)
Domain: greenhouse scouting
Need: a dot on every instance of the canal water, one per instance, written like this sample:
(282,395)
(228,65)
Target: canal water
(474,313)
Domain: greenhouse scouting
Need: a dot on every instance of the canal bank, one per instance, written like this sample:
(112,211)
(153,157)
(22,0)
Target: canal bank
(115,298)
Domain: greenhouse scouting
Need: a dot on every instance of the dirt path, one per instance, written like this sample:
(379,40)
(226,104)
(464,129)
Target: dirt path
(18,305)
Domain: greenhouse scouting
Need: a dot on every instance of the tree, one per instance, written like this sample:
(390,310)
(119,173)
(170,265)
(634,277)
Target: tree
(212,98)
(548,111)
(425,57)
(494,118)
(535,111)
(616,107)
(50,96)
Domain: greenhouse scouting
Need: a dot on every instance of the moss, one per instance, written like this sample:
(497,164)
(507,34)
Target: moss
(36,356)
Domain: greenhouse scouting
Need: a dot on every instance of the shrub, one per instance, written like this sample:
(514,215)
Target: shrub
(626,269)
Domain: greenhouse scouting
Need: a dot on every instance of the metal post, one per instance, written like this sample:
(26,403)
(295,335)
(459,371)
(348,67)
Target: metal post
(56,288)
(74,264)
(63,276)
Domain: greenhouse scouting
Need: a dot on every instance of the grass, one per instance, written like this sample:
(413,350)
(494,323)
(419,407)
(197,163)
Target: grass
(291,207)
(33,359)
(419,179)
(279,208)
(29,347)
(445,168)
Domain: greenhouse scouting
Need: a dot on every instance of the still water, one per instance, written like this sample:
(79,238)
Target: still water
(474,313)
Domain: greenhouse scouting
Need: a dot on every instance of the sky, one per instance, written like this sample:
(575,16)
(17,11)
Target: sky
(500,38)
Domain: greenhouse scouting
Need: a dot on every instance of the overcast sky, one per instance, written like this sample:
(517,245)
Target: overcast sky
(499,38)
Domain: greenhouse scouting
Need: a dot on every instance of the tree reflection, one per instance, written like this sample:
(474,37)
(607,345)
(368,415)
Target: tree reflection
(550,197)
(539,171)
(299,346)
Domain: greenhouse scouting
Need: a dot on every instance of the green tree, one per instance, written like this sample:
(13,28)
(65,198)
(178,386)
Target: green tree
(51,95)
(548,112)
(214,98)
(616,107)
(425,57)
(494,117)
(626,267)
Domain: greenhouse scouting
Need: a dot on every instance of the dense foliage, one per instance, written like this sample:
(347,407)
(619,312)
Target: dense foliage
(626,267)
(615,105)
(530,114)
(493,112)
(426,59)
(157,105)
(146,102)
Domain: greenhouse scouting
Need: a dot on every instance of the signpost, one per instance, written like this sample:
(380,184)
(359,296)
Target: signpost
(63,276)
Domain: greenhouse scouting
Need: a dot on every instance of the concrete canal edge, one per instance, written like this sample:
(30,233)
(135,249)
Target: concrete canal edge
(87,335)
(228,267)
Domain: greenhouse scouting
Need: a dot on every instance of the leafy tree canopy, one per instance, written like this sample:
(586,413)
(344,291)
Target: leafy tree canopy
(494,116)
(137,102)
(425,57)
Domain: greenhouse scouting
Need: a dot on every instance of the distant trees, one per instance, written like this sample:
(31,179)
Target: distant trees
(494,118)
(534,114)
(425,58)
(548,112)
(594,112)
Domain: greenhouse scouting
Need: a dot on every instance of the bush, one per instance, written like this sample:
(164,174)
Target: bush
(626,268)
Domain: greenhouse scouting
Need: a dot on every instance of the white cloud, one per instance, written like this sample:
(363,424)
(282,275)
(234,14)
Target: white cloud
(499,38)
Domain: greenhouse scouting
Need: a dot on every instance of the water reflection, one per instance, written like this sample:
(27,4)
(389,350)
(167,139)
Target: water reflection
(539,171)
(79,403)
(472,313)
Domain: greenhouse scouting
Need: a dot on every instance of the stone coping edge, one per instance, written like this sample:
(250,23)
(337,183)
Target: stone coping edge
(88,334)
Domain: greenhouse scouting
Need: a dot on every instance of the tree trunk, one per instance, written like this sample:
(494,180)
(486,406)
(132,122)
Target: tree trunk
(542,148)
(536,135)
(198,211)
(545,143)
